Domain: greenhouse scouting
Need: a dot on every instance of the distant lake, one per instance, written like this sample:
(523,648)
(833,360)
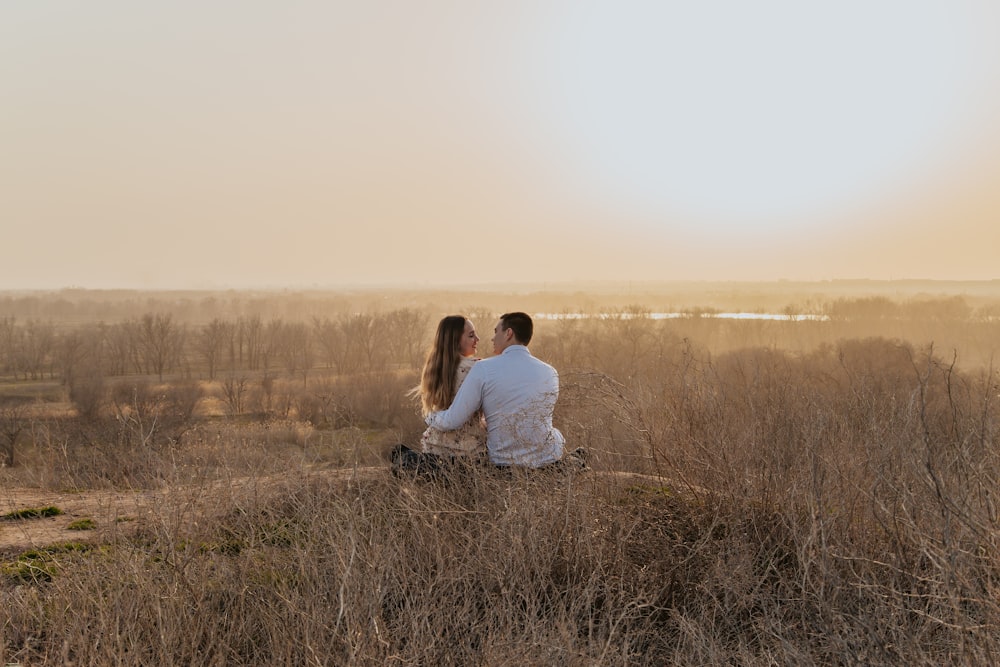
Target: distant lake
(673,316)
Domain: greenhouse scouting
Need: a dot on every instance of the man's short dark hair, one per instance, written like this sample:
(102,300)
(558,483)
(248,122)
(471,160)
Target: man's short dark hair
(521,324)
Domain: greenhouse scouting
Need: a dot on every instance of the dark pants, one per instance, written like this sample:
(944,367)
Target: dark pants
(406,461)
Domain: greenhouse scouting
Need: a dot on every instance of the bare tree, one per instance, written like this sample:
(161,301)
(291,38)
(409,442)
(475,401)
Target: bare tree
(87,392)
(35,349)
(295,349)
(406,336)
(13,420)
(249,335)
(234,391)
(328,337)
(161,341)
(265,395)
(70,352)
(120,343)
(154,416)
(272,343)
(8,341)
(211,343)
(366,336)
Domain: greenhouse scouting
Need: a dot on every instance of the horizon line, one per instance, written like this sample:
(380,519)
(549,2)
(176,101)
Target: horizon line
(481,286)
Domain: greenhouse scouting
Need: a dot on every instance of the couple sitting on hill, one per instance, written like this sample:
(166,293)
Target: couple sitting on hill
(501,406)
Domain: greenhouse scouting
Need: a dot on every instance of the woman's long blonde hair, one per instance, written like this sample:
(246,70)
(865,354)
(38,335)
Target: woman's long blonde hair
(437,383)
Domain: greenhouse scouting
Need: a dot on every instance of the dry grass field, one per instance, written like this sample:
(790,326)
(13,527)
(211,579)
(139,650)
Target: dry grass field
(761,492)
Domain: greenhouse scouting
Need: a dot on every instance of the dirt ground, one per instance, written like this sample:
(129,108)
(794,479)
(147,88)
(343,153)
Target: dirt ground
(104,508)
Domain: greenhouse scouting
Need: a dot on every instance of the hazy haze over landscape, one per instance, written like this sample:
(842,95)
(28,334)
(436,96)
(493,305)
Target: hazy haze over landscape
(759,245)
(247,144)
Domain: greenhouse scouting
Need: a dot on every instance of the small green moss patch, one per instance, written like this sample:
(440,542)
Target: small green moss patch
(82,524)
(31,513)
(39,565)
(54,550)
(28,572)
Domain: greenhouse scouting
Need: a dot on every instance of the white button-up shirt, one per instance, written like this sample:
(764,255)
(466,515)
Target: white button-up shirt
(517,394)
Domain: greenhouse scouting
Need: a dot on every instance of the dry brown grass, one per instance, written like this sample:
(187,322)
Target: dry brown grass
(834,505)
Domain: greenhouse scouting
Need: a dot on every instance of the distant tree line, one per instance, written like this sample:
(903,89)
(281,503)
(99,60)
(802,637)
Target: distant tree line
(158,345)
(953,308)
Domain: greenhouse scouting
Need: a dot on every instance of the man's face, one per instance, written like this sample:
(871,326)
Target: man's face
(502,338)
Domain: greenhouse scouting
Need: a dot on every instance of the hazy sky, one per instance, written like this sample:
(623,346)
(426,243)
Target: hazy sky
(247,143)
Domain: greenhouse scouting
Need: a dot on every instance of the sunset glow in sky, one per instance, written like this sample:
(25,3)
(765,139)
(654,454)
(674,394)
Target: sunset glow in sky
(258,144)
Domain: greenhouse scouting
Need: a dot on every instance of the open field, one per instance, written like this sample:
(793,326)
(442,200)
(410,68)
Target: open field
(762,492)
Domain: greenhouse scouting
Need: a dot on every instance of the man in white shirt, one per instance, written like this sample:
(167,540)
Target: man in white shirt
(517,394)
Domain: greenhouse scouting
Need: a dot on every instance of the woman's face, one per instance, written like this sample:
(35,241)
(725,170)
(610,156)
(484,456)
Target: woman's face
(469,341)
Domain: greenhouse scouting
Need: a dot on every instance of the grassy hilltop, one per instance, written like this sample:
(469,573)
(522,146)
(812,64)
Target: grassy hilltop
(791,491)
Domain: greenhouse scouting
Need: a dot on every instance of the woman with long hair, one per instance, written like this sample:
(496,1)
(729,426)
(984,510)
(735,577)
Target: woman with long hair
(448,362)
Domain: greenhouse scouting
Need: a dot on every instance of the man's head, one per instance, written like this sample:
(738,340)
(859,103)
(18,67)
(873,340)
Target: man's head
(512,329)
